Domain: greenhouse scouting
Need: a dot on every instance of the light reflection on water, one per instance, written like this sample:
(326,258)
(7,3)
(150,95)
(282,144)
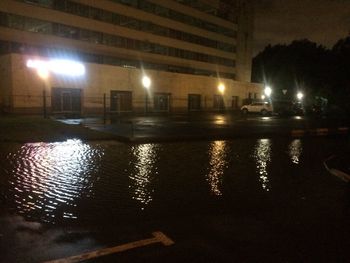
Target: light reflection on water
(217,162)
(51,182)
(262,156)
(295,150)
(47,178)
(143,174)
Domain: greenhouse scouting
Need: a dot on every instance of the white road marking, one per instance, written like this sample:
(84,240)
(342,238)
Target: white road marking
(158,237)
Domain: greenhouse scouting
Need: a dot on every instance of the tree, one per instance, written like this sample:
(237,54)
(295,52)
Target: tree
(306,66)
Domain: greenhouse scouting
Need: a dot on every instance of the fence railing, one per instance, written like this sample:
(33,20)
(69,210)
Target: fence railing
(75,104)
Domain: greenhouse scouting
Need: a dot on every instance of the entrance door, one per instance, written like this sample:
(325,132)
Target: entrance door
(66,100)
(194,102)
(162,102)
(121,101)
(218,102)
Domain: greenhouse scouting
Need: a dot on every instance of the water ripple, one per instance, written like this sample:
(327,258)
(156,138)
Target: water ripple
(144,173)
(217,166)
(262,156)
(50,177)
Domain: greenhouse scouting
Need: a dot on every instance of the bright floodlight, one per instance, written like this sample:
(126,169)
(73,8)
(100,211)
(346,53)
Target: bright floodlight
(146,82)
(221,88)
(268,91)
(300,95)
(58,66)
(262,97)
(66,67)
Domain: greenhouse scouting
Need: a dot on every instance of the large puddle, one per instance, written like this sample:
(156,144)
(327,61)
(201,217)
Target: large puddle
(75,181)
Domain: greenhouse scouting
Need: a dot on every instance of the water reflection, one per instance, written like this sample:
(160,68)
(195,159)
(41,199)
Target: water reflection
(295,150)
(262,156)
(142,176)
(220,120)
(217,166)
(49,177)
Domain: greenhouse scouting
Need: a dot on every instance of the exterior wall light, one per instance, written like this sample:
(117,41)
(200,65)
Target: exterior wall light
(58,66)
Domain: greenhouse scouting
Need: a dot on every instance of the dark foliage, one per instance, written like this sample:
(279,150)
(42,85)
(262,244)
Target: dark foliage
(308,67)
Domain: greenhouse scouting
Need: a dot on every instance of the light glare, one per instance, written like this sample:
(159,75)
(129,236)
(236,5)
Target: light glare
(66,67)
(58,66)
(146,82)
(43,73)
(300,95)
(221,88)
(268,91)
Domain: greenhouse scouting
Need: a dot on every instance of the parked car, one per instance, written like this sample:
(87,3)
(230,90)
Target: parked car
(257,107)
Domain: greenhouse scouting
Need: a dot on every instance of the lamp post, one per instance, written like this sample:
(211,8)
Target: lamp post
(43,74)
(146,83)
(221,89)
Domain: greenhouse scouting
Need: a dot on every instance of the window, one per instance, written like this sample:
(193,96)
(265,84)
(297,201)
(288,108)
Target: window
(3,19)
(16,22)
(35,25)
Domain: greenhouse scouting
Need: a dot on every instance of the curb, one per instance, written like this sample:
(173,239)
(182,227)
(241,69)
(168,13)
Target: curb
(320,132)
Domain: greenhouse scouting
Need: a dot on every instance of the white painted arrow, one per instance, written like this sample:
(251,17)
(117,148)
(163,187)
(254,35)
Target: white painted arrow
(158,237)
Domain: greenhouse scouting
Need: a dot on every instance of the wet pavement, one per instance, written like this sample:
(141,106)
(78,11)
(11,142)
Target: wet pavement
(250,200)
(209,126)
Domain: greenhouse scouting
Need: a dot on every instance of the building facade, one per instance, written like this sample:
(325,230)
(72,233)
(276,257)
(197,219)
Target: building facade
(196,55)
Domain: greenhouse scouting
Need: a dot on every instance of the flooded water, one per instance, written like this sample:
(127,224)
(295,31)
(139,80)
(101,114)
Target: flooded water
(74,181)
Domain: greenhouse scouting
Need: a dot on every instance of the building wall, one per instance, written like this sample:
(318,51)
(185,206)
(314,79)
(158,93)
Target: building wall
(184,47)
(27,87)
(244,40)
(53,16)
(5,83)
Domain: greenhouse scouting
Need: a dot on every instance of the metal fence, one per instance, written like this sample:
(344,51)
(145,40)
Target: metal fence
(74,103)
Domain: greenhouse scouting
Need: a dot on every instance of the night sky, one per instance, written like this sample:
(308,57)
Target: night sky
(282,21)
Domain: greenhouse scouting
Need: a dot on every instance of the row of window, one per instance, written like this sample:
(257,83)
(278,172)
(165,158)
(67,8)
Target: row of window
(223,11)
(136,24)
(13,47)
(45,27)
(177,16)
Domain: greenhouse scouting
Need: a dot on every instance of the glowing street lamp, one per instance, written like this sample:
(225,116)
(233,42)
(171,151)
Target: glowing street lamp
(146,83)
(268,91)
(221,88)
(263,97)
(300,95)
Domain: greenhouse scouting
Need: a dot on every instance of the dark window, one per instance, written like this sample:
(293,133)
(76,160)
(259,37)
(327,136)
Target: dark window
(66,100)
(121,101)
(194,102)
(162,102)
